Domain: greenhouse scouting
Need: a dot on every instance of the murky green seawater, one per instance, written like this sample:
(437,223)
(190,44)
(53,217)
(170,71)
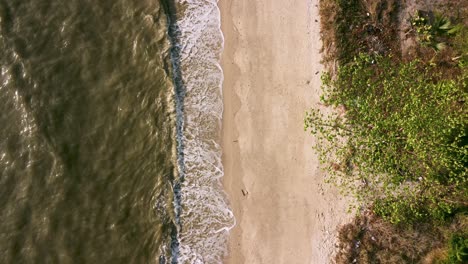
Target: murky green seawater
(86,132)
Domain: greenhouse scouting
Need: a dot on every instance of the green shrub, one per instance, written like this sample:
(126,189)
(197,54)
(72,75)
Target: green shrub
(398,137)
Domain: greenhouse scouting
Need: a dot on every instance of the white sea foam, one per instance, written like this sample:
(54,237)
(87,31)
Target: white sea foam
(205,218)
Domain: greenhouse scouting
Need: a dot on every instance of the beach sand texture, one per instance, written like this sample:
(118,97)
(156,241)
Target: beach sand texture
(271,63)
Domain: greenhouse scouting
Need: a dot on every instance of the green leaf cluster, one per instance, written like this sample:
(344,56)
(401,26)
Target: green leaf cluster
(397,136)
(458,250)
(433,32)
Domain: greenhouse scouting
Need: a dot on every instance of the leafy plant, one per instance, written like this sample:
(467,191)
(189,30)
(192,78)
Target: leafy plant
(433,31)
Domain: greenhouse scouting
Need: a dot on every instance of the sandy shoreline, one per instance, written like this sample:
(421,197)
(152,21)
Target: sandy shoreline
(271,65)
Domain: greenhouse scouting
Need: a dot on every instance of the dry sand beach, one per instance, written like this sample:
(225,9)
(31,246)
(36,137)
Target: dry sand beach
(271,63)
(272,68)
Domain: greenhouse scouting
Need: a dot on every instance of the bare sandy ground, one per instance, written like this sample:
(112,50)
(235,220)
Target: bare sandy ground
(272,69)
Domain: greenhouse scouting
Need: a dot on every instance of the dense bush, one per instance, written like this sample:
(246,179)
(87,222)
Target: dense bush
(399,137)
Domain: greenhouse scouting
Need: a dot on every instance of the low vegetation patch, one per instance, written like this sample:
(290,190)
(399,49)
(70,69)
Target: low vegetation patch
(394,132)
(401,140)
(370,239)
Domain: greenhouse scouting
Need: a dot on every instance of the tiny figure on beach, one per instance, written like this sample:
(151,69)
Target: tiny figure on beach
(244,192)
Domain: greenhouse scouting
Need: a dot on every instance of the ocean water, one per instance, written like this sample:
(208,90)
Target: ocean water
(110,132)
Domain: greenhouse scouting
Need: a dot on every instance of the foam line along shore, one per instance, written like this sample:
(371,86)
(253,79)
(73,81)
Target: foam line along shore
(203,216)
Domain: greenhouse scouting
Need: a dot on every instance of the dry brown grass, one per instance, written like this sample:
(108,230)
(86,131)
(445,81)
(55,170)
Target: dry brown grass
(328,13)
(352,26)
(369,239)
(435,256)
(380,12)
